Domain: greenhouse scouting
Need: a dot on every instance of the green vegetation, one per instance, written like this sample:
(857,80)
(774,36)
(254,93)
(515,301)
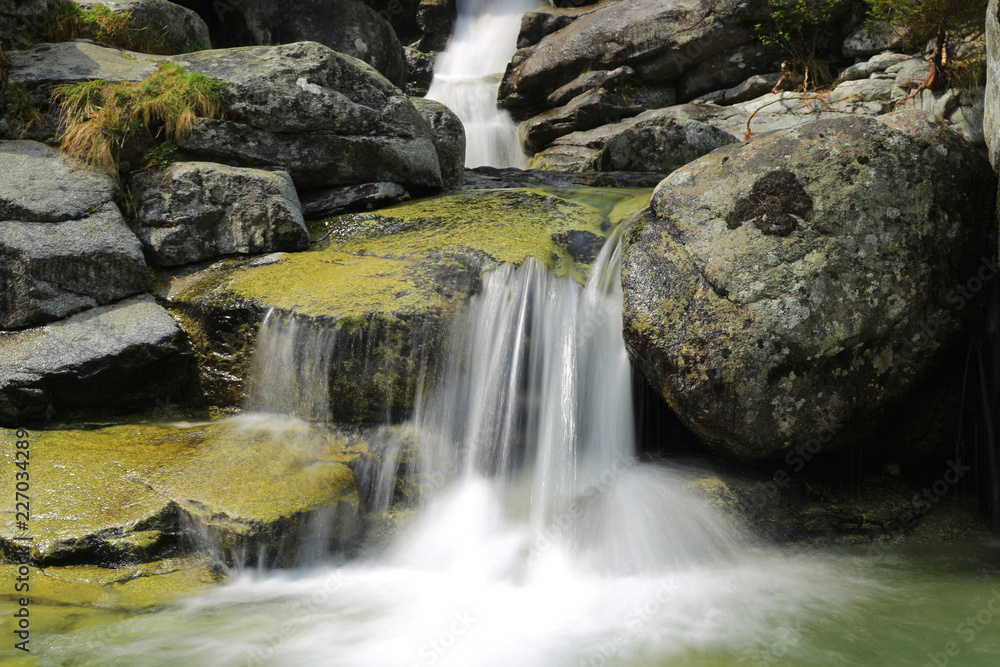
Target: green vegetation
(70,21)
(923,20)
(103,118)
(800,28)
(20,111)
(4,68)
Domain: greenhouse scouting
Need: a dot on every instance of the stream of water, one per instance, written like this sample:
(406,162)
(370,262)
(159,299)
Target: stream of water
(467,75)
(545,543)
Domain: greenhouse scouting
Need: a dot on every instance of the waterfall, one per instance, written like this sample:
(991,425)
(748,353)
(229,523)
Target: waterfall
(290,370)
(534,423)
(467,75)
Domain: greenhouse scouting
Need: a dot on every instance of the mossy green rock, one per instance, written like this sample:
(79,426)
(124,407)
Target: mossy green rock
(796,285)
(137,493)
(390,281)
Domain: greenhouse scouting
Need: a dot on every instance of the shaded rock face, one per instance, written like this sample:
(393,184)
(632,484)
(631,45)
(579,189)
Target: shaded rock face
(449,139)
(346,26)
(199,210)
(661,148)
(177,27)
(32,14)
(126,355)
(799,283)
(64,246)
(329,119)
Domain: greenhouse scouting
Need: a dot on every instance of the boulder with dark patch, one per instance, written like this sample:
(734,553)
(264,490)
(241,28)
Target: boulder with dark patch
(803,282)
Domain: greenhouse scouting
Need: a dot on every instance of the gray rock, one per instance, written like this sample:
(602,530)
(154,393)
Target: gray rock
(54,269)
(64,244)
(117,356)
(31,14)
(755,86)
(346,26)
(194,211)
(659,40)
(862,42)
(436,19)
(798,284)
(591,109)
(329,119)
(419,71)
(50,65)
(178,28)
(41,184)
(449,139)
(991,117)
(589,81)
(661,148)
(350,198)
(727,68)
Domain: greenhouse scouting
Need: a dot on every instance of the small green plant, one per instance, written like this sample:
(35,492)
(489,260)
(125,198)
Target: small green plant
(101,118)
(20,111)
(922,20)
(4,67)
(70,21)
(161,155)
(800,27)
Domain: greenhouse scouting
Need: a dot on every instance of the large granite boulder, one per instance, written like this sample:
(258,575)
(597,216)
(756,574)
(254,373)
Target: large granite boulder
(124,356)
(327,118)
(660,40)
(449,139)
(64,246)
(346,26)
(171,27)
(797,284)
(193,211)
(662,148)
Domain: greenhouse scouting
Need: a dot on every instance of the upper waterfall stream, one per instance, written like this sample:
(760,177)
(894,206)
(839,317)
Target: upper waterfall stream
(466,78)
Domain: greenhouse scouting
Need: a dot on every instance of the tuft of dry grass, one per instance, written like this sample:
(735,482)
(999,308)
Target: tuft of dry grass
(70,21)
(101,118)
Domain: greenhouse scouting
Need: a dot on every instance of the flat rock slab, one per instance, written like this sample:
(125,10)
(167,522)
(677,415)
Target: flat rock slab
(125,355)
(138,493)
(50,65)
(39,183)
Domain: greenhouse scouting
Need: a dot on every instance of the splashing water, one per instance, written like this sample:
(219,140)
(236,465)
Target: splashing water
(466,77)
(545,543)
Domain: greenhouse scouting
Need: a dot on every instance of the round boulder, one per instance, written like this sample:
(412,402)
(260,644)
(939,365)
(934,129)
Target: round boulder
(788,289)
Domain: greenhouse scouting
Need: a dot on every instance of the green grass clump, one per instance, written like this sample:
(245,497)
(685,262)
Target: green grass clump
(102,118)
(70,21)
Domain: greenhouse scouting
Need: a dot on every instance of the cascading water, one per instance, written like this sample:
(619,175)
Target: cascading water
(545,543)
(466,78)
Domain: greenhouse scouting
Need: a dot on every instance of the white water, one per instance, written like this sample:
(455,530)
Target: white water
(544,542)
(467,75)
